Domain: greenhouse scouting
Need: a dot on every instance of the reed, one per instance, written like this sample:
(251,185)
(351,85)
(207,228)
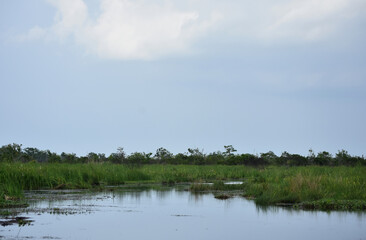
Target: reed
(314,185)
(307,184)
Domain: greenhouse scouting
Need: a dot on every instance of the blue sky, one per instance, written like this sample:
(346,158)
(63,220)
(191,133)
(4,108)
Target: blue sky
(90,76)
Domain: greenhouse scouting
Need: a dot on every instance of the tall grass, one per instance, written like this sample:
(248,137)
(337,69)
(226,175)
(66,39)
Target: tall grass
(16,177)
(268,185)
(302,184)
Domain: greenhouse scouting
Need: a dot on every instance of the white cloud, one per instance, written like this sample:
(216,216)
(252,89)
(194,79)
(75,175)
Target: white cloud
(137,29)
(290,21)
(71,17)
(33,34)
(143,29)
(127,29)
(309,20)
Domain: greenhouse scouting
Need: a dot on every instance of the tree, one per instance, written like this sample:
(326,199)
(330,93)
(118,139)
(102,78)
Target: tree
(344,158)
(292,159)
(53,157)
(269,157)
(323,158)
(11,152)
(69,157)
(215,158)
(136,158)
(181,158)
(246,159)
(162,155)
(35,154)
(118,157)
(93,157)
(229,150)
(311,156)
(196,156)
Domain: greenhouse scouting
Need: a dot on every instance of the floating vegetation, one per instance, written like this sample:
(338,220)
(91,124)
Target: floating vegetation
(21,221)
(223,196)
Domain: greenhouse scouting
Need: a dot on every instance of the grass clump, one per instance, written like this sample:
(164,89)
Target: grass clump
(310,186)
(223,196)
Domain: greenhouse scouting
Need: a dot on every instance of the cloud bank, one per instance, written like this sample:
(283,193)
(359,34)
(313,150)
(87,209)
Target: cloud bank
(142,29)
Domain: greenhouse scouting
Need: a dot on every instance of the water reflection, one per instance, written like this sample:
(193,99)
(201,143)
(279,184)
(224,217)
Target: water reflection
(164,194)
(263,209)
(196,198)
(172,213)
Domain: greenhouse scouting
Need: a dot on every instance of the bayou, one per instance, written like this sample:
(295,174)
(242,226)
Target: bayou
(322,181)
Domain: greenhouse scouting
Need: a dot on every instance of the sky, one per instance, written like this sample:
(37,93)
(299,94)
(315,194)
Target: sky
(82,76)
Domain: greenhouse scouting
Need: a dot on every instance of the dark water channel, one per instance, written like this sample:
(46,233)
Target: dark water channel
(173,213)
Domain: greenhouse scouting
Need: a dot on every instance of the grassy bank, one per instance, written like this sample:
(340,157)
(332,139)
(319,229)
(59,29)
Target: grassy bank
(16,177)
(309,187)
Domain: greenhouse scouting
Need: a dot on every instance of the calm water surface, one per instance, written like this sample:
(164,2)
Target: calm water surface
(176,214)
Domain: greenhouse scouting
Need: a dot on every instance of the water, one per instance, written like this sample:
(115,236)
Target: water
(176,214)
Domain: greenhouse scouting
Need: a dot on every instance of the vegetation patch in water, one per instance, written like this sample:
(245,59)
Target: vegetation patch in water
(21,221)
(223,196)
(21,203)
(330,204)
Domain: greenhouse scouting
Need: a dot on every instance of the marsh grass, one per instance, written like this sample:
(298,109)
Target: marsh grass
(17,177)
(270,185)
(308,184)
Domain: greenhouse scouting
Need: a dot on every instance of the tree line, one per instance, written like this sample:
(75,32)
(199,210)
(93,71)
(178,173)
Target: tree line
(194,156)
